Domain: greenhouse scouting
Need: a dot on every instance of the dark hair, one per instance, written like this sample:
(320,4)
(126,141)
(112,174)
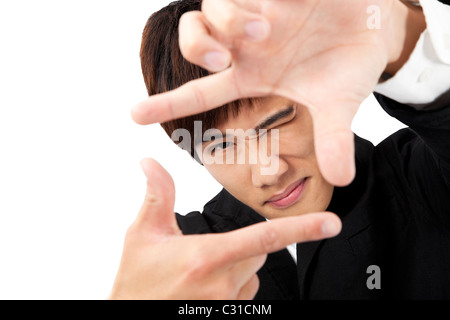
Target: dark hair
(164,68)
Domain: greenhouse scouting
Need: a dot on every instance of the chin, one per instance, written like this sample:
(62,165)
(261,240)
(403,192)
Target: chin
(273,213)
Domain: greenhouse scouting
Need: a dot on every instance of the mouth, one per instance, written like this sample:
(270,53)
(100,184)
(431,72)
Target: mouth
(288,197)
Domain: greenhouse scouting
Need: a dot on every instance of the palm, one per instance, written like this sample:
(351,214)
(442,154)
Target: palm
(315,62)
(319,53)
(325,58)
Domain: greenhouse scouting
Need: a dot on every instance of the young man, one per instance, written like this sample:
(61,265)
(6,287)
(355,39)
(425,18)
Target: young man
(395,212)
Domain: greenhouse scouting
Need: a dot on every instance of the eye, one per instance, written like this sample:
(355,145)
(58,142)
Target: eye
(221,146)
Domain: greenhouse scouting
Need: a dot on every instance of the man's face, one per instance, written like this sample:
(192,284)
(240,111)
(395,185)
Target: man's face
(274,172)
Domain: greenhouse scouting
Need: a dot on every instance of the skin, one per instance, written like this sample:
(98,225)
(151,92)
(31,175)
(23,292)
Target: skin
(158,262)
(327,59)
(338,67)
(296,160)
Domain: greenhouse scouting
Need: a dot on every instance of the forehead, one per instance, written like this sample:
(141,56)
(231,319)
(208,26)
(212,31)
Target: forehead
(250,117)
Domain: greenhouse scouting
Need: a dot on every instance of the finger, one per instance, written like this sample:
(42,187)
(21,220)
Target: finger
(250,289)
(157,212)
(198,46)
(194,97)
(277,234)
(334,145)
(234,21)
(242,271)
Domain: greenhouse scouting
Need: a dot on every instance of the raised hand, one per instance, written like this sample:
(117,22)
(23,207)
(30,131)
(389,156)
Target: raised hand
(322,54)
(158,262)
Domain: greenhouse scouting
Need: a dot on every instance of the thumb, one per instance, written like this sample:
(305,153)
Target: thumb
(334,145)
(157,211)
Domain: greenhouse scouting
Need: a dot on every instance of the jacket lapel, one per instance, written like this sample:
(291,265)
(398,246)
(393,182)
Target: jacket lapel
(350,204)
(305,254)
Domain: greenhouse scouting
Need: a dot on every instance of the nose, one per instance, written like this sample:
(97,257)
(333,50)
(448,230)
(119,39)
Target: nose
(269,173)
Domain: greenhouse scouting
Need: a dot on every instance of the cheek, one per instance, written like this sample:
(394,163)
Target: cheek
(297,144)
(234,178)
(297,138)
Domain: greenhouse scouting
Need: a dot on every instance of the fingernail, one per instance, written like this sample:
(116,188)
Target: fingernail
(216,60)
(330,228)
(257,30)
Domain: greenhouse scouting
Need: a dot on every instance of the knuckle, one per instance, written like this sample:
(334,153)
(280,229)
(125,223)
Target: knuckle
(309,230)
(199,97)
(255,283)
(189,42)
(201,271)
(221,289)
(188,47)
(250,289)
(226,291)
(217,291)
(268,239)
(228,20)
(185,19)
(199,265)
(223,15)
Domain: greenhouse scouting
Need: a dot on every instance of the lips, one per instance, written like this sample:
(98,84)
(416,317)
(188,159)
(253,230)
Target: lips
(290,196)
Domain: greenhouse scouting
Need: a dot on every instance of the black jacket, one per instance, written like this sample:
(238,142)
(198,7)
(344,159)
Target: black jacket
(395,215)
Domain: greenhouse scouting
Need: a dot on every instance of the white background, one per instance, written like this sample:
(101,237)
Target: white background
(70,180)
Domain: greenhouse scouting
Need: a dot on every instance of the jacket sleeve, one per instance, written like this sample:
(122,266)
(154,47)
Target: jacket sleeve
(421,153)
(419,96)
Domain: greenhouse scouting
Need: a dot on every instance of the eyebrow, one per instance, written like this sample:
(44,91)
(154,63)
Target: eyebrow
(270,120)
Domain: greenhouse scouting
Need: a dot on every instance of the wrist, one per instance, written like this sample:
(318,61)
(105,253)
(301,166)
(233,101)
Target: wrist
(407,24)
